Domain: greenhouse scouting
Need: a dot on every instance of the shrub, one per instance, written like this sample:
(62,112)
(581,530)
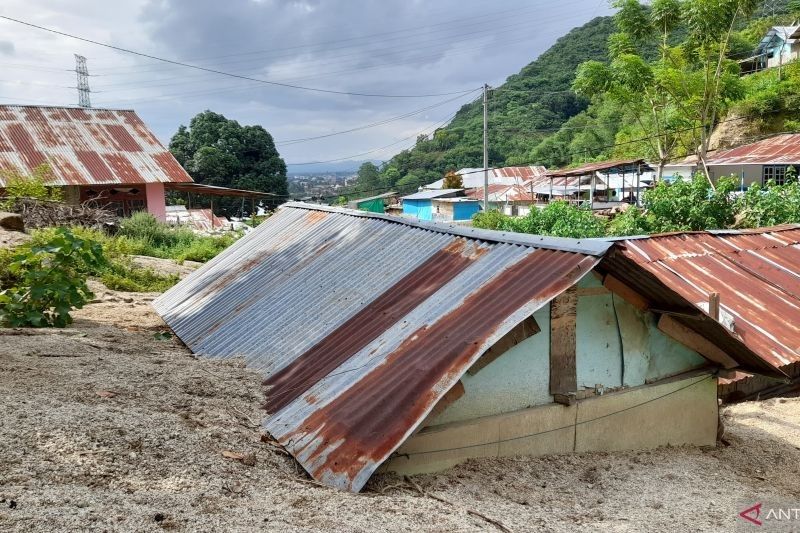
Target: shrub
(48,281)
(770,205)
(630,222)
(489,219)
(691,205)
(33,186)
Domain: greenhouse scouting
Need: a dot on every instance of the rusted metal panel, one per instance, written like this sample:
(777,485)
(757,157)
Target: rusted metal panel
(755,272)
(780,149)
(84,146)
(361,323)
(591,168)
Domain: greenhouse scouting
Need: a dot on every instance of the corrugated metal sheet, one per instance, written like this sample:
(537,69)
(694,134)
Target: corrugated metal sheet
(360,323)
(428,195)
(84,146)
(756,273)
(780,149)
(591,168)
(199,219)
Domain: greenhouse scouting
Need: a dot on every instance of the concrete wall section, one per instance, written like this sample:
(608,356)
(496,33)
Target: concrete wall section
(673,412)
(598,351)
(156,203)
(517,379)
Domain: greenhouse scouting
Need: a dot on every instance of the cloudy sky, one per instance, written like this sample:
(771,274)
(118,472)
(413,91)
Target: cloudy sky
(399,48)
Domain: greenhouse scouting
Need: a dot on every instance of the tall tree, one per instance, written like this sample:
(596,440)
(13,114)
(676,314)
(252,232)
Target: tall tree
(369,180)
(219,151)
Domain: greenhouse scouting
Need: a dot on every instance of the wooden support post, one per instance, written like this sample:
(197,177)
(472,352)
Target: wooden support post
(713,305)
(626,293)
(523,330)
(693,340)
(563,342)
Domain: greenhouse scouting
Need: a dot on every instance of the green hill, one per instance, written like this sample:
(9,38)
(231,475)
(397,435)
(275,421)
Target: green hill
(530,105)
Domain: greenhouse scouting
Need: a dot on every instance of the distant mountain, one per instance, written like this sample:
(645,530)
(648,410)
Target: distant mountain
(319,168)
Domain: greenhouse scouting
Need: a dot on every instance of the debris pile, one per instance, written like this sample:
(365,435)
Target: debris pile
(41,214)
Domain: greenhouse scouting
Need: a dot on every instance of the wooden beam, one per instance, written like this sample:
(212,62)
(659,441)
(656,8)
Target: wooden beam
(713,305)
(693,340)
(563,342)
(455,392)
(622,290)
(527,328)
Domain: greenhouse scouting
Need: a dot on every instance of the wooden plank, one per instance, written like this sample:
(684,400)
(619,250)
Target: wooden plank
(593,291)
(693,340)
(563,321)
(713,305)
(626,293)
(523,330)
(455,392)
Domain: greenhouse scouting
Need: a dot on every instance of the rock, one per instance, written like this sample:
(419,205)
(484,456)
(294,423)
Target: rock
(11,221)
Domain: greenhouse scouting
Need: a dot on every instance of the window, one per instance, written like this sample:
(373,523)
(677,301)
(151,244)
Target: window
(777,173)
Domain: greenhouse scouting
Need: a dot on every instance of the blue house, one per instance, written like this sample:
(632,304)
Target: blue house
(420,205)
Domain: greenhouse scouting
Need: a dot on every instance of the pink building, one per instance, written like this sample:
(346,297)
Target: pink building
(108,157)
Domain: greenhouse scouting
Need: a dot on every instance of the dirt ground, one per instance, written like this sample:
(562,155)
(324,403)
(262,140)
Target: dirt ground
(106,427)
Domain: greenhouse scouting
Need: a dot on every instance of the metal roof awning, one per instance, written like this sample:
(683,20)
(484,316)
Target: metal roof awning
(602,166)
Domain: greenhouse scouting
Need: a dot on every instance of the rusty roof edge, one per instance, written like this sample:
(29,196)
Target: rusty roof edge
(45,106)
(724,231)
(593,247)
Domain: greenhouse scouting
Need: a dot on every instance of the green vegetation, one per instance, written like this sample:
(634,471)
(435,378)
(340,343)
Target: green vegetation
(42,283)
(32,186)
(142,234)
(685,205)
(218,151)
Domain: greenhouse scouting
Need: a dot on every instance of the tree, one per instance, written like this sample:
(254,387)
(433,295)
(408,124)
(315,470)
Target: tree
(218,151)
(452,181)
(368,181)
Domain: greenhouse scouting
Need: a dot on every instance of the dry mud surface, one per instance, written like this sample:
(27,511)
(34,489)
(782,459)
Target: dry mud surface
(106,428)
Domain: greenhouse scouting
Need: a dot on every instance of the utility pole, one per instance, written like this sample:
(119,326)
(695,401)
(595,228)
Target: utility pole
(83,81)
(485,147)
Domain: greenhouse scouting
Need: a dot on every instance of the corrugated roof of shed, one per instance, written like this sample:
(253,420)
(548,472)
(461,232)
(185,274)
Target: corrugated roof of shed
(360,323)
(84,146)
(756,272)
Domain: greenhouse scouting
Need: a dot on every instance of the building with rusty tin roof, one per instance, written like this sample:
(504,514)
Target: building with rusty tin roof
(105,155)
(390,343)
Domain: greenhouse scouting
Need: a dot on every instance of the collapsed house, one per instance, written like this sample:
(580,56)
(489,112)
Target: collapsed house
(411,346)
(753,279)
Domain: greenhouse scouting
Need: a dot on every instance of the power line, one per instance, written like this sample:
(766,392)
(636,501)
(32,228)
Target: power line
(229,74)
(289,142)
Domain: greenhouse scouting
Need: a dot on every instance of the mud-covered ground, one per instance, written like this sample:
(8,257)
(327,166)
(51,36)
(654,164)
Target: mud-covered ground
(108,426)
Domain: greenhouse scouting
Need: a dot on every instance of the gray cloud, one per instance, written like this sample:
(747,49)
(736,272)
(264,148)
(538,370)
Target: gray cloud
(6,48)
(386,46)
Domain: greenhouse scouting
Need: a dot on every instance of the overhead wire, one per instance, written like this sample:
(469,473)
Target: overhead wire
(229,74)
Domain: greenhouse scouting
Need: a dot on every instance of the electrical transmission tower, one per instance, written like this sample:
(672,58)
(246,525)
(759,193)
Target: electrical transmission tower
(83,81)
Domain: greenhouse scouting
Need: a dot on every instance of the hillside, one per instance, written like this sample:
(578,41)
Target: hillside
(522,111)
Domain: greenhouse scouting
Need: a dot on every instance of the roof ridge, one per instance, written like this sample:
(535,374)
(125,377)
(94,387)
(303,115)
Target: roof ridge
(594,247)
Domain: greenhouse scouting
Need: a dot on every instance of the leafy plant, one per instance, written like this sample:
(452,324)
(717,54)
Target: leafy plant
(691,205)
(49,281)
(32,186)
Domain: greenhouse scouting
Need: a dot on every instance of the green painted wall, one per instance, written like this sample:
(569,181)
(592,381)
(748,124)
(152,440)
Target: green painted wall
(616,345)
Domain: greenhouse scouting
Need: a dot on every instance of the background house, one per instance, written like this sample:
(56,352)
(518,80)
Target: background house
(420,205)
(473,177)
(779,46)
(469,343)
(103,155)
(758,162)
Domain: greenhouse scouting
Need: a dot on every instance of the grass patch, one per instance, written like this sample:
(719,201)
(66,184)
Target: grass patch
(140,234)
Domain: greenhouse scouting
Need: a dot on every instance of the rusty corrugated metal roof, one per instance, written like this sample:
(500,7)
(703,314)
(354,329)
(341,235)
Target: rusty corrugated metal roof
(199,219)
(780,149)
(756,273)
(84,146)
(360,323)
(591,168)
